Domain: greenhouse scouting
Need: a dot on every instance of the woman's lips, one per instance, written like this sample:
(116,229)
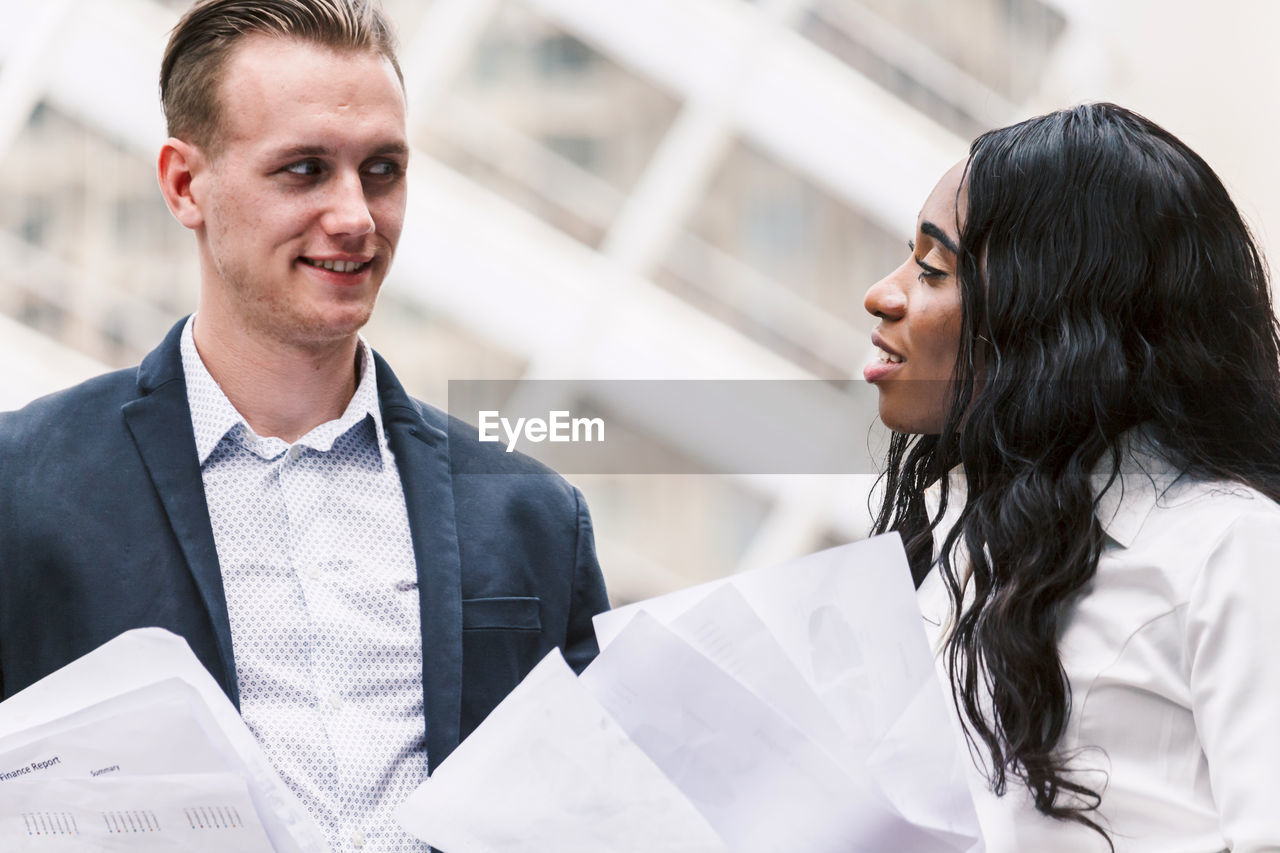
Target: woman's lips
(877,370)
(885,362)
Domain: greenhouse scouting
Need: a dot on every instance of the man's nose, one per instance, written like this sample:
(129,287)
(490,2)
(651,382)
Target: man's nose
(348,208)
(886,298)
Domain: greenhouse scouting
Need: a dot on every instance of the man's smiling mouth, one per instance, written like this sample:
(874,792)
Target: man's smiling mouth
(336,266)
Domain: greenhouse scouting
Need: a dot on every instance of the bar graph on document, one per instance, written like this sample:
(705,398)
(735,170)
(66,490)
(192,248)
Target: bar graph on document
(50,823)
(213,817)
(175,813)
(130,822)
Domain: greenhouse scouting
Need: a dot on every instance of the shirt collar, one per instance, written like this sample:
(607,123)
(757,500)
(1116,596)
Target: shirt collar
(957,492)
(220,417)
(1144,475)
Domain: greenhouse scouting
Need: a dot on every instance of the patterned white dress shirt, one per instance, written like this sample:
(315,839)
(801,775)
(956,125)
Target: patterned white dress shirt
(321,585)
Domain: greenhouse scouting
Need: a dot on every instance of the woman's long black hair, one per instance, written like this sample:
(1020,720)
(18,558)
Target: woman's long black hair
(1107,283)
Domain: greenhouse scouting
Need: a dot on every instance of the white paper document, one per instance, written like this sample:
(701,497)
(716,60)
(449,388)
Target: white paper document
(550,770)
(724,628)
(137,710)
(161,728)
(847,621)
(793,708)
(761,783)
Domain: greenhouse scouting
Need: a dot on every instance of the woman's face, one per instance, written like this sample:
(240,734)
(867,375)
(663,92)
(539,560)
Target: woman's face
(918,304)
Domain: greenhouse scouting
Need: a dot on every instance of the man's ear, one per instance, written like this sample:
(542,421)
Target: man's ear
(180,163)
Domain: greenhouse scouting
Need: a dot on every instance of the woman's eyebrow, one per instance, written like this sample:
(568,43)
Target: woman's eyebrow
(938,234)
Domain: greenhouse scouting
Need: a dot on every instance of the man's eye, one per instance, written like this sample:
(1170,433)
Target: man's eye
(383,169)
(304,168)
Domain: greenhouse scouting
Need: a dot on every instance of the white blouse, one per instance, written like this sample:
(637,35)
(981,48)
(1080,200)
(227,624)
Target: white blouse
(1173,658)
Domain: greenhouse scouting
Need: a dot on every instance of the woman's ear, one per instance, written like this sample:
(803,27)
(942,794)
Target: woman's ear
(180,162)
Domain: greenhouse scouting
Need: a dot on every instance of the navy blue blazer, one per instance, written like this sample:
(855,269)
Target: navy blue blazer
(104,527)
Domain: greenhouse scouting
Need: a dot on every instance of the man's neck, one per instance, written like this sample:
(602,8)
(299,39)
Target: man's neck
(281,390)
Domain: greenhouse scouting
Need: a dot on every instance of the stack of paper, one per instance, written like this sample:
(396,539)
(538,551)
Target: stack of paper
(134,747)
(793,708)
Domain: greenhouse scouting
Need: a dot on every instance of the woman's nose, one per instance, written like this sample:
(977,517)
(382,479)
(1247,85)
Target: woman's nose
(886,298)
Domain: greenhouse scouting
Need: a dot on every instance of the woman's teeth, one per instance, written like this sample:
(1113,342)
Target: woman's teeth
(887,357)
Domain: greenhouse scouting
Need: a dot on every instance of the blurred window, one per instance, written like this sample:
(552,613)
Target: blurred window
(548,122)
(911,48)
(782,260)
(103,266)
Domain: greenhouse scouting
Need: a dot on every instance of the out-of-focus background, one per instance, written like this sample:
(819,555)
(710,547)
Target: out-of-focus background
(630,189)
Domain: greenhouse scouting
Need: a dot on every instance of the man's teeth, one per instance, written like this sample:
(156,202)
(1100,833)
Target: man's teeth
(337,266)
(887,357)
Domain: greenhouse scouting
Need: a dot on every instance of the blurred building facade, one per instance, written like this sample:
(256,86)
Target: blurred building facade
(667,189)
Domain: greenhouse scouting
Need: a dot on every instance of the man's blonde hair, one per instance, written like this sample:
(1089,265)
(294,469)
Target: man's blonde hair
(192,69)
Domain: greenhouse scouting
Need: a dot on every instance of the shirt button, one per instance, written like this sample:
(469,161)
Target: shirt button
(313,572)
(335,701)
(295,451)
(357,839)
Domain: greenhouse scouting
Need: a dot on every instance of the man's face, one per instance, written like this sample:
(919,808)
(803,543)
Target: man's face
(303,203)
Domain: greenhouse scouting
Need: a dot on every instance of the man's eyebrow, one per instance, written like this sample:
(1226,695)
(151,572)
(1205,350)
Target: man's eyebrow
(938,234)
(389,148)
(398,148)
(299,151)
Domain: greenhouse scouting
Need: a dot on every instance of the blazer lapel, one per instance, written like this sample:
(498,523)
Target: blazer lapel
(422,455)
(160,422)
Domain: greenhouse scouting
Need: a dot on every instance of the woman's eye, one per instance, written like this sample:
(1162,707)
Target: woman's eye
(927,271)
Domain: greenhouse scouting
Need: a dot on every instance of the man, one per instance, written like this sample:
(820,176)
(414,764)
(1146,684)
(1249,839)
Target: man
(261,484)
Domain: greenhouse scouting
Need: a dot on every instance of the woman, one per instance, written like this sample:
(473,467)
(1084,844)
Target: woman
(1081,367)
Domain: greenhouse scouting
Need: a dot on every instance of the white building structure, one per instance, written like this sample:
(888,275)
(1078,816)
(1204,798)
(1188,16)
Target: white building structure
(613,189)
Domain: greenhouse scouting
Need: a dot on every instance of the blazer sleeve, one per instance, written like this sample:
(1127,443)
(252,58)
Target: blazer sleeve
(588,594)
